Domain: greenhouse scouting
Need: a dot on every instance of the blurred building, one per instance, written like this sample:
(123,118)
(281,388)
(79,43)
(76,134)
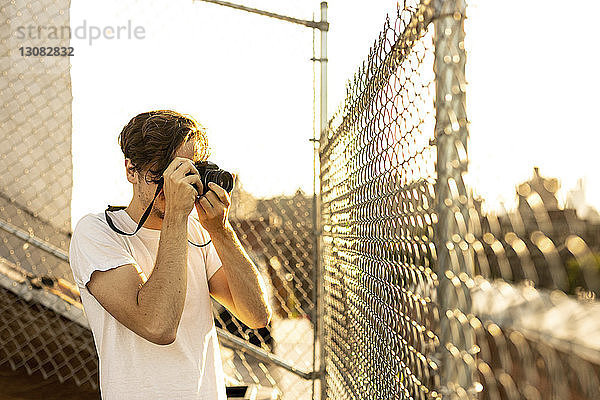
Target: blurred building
(278,233)
(538,217)
(576,199)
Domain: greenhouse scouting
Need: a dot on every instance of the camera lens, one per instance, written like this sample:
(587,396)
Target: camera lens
(221,178)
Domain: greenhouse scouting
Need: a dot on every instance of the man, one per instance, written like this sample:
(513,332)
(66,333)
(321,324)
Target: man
(147,296)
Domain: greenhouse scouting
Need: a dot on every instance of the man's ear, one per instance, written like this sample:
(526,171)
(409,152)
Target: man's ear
(132,174)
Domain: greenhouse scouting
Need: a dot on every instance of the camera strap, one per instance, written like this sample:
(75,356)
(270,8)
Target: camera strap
(142,220)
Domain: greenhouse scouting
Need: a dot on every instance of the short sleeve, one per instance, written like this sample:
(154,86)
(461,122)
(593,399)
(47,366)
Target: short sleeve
(94,247)
(212,261)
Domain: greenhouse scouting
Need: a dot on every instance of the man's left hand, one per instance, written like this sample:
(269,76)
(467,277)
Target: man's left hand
(213,208)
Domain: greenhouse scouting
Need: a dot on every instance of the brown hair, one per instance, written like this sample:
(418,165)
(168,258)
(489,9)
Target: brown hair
(151,139)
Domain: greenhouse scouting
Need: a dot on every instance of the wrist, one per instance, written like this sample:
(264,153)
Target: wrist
(174,217)
(222,232)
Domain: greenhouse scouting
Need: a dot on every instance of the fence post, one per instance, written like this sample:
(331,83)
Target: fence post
(320,284)
(455,257)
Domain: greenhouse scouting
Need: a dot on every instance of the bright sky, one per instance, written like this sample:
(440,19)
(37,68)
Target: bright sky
(532,94)
(248,79)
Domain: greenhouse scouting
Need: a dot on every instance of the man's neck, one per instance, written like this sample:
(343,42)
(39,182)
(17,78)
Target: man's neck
(135,211)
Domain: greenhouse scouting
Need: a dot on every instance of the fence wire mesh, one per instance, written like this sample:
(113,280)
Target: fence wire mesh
(36,177)
(277,233)
(35,195)
(427,294)
(377,171)
(35,338)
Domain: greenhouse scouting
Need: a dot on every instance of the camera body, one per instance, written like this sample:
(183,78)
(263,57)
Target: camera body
(210,172)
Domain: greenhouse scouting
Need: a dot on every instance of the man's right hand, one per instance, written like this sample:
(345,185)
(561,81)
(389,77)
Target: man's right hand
(180,194)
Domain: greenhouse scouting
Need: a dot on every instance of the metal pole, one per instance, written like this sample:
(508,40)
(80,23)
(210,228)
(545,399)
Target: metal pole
(315,296)
(310,24)
(318,265)
(456,346)
(234,342)
(33,240)
(324,67)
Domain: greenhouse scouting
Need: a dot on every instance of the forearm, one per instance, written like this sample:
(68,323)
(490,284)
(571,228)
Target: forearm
(246,285)
(162,297)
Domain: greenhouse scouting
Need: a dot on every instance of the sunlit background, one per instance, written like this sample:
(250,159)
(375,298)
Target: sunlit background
(532,96)
(249,80)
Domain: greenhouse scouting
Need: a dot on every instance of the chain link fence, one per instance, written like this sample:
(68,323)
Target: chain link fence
(427,294)
(40,330)
(277,233)
(377,186)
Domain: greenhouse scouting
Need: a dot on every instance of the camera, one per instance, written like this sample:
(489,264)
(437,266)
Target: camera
(210,172)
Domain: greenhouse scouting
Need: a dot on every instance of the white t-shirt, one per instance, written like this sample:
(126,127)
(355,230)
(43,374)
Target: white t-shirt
(132,367)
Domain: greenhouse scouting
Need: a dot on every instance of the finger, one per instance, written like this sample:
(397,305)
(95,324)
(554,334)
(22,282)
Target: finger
(220,192)
(212,197)
(187,166)
(205,203)
(202,213)
(172,165)
(192,165)
(195,181)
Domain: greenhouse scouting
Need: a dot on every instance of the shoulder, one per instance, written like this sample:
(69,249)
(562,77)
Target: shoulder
(93,227)
(90,222)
